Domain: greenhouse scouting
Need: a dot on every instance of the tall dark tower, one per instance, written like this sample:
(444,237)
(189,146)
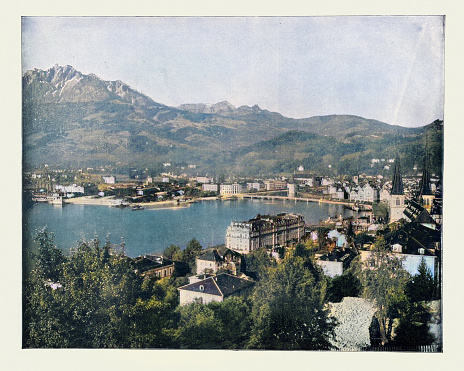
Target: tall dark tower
(425,192)
(397,199)
(397,183)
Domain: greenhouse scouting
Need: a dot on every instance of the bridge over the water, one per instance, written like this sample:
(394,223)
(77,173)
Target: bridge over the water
(296,199)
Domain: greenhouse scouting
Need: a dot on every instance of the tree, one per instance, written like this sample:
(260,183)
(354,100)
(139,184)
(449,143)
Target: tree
(257,262)
(346,285)
(422,286)
(217,325)
(288,309)
(43,322)
(413,327)
(362,238)
(49,259)
(322,237)
(153,324)
(172,252)
(100,302)
(192,250)
(198,329)
(302,251)
(233,315)
(384,280)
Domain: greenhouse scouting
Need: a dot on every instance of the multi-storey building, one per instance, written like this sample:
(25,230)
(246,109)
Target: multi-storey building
(109,179)
(254,186)
(275,185)
(230,189)
(264,231)
(70,189)
(209,187)
(364,194)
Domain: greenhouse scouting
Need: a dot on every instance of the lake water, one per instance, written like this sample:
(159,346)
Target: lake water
(152,230)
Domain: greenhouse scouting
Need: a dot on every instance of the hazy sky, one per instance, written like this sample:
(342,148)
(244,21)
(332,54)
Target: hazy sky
(384,68)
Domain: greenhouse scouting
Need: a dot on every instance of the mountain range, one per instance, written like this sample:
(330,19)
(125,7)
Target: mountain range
(72,119)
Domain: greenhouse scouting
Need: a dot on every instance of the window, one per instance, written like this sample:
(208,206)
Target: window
(397,201)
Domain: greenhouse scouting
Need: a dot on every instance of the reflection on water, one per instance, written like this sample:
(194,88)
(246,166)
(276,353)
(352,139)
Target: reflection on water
(151,230)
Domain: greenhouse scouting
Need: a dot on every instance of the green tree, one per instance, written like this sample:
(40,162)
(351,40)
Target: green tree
(198,328)
(288,310)
(322,237)
(153,324)
(233,315)
(384,281)
(257,262)
(362,238)
(413,327)
(49,258)
(346,285)
(172,252)
(422,285)
(189,255)
(43,322)
(302,251)
(217,325)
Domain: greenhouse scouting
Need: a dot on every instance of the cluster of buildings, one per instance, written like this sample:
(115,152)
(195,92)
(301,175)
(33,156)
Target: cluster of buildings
(414,215)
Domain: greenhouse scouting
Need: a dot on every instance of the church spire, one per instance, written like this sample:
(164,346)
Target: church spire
(425,189)
(397,183)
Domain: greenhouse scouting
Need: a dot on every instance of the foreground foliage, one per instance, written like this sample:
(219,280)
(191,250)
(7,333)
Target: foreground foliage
(94,298)
(288,310)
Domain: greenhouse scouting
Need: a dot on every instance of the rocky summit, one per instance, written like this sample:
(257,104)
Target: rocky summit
(74,119)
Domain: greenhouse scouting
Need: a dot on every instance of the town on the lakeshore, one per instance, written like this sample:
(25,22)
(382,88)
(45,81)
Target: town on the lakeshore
(405,211)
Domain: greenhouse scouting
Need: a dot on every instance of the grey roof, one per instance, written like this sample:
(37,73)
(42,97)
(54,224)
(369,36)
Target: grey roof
(221,285)
(217,254)
(416,213)
(210,255)
(344,257)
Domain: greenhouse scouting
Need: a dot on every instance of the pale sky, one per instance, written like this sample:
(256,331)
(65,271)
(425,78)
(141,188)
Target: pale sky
(384,68)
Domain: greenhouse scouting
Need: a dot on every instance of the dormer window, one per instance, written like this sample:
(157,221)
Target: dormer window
(202,288)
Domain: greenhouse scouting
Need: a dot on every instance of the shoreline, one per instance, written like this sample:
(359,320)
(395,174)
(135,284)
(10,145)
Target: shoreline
(109,201)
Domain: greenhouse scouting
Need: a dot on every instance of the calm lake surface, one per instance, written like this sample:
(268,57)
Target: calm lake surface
(152,230)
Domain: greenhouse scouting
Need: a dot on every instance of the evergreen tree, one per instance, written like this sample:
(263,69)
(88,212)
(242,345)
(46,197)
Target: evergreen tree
(422,285)
(413,327)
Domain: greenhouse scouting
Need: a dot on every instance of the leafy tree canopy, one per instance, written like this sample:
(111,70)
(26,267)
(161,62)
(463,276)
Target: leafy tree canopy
(288,309)
(384,281)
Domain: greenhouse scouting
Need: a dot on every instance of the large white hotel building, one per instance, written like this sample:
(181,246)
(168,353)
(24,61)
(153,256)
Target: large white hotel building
(264,231)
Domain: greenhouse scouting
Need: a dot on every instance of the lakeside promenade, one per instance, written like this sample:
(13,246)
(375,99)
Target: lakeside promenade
(115,202)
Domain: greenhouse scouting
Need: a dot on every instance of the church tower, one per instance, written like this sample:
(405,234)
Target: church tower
(397,199)
(425,192)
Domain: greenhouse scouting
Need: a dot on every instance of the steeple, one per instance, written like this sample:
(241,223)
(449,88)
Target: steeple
(425,189)
(397,183)
(426,195)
